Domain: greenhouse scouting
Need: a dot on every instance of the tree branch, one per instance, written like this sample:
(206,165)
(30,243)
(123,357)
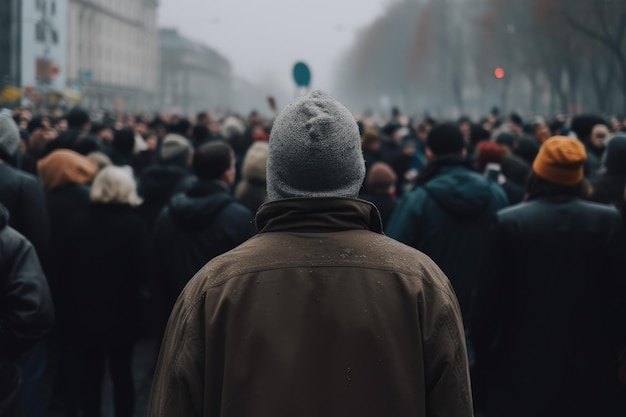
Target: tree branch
(622,29)
(602,18)
(586,31)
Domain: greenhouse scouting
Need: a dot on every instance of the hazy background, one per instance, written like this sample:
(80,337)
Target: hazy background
(263,39)
(427,57)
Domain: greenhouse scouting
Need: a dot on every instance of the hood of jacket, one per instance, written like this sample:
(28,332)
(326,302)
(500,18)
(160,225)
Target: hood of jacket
(198,206)
(460,192)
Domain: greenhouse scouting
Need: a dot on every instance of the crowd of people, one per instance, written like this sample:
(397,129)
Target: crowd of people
(107,217)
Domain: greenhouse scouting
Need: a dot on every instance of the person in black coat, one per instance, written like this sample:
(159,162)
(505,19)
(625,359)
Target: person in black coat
(380,189)
(110,247)
(20,192)
(65,176)
(26,310)
(201,223)
(171,175)
(23,196)
(609,186)
(548,323)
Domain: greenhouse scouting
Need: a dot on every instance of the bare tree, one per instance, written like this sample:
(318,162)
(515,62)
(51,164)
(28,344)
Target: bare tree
(605,22)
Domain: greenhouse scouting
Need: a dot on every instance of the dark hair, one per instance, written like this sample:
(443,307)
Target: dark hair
(478,134)
(211,160)
(506,139)
(124,141)
(537,187)
(430,121)
(200,134)
(35,123)
(583,125)
(556,127)
(77,118)
(370,137)
(182,127)
(445,139)
(516,119)
(463,119)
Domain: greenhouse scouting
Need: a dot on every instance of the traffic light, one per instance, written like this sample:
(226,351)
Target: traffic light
(499,73)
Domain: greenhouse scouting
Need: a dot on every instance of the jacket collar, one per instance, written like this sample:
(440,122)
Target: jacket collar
(330,214)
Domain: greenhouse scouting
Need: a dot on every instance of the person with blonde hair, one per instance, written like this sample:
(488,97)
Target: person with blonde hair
(110,247)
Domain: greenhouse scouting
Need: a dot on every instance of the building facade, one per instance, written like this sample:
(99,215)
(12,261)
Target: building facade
(33,47)
(193,77)
(113,53)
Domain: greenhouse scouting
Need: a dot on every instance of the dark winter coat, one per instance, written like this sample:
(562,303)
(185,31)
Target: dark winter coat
(109,244)
(64,204)
(23,196)
(608,189)
(157,186)
(549,322)
(448,218)
(195,227)
(515,169)
(26,310)
(594,160)
(319,314)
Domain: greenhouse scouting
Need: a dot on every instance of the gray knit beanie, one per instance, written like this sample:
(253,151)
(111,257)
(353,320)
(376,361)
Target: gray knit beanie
(175,148)
(314,150)
(9,136)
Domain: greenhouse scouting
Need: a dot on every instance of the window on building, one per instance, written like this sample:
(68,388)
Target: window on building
(40,31)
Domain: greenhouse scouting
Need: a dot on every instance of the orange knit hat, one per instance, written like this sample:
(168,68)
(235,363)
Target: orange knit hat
(561,161)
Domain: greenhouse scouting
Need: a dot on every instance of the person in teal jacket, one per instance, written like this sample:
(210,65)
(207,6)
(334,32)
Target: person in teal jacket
(449,213)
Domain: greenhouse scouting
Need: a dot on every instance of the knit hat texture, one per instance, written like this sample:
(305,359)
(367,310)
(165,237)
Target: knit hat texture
(315,150)
(175,147)
(63,167)
(445,139)
(9,136)
(561,161)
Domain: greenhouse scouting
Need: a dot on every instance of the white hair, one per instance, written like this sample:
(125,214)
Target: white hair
(115,185)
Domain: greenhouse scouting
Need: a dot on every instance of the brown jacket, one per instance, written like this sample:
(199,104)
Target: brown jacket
(319,314)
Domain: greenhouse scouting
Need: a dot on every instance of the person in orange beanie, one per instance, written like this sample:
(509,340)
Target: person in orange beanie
(545,333)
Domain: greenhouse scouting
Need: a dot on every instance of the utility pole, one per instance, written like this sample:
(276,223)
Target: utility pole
(15,58)
(46,54)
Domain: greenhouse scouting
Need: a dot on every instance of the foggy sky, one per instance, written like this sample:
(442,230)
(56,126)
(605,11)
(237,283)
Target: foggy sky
(263,39)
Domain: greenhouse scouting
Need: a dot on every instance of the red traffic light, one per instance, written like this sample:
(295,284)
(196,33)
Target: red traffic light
(499,73)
